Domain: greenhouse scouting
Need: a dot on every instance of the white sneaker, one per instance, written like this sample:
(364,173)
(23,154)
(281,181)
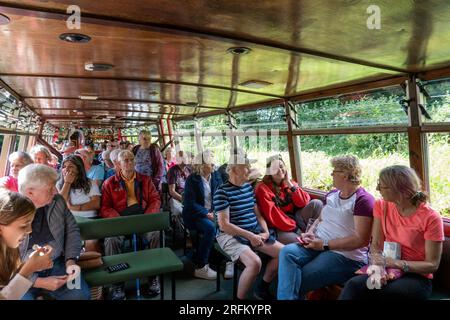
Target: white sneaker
(205,273)
(229,270)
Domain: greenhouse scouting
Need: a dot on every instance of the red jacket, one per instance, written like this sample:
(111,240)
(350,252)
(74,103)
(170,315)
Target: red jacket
(114,195)
(274,215)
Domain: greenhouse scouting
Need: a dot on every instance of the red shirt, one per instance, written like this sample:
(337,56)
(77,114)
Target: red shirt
(10,183)
(276,216)
(114,195)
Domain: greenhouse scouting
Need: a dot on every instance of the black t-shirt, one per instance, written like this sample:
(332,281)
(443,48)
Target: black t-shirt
(40,233)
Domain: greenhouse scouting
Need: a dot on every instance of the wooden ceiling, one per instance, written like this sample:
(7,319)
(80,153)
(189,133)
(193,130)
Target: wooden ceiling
(170,57)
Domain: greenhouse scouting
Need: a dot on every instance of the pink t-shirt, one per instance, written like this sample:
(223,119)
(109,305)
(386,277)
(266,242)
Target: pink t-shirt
(10,183)
(410,232)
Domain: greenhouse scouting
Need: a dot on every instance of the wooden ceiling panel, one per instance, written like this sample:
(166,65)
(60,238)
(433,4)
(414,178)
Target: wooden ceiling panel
(410,37)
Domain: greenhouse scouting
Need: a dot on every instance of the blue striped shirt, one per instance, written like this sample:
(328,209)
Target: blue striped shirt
(241,204)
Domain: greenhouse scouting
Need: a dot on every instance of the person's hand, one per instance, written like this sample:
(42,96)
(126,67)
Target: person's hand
(70,262)
(307,237)
(40,259)
(210,216)
(256,240)
(391,263)
(69,176)
(51,283)
(315,244)
(264,236)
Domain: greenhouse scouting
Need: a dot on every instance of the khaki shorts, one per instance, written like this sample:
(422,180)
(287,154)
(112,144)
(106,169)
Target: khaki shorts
(231,246)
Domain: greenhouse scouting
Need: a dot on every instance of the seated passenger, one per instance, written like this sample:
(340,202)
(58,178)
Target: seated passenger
(403,217)
(169,159)
(338,248)
(198,210)
(81,194)
(149,160)
(95,173)
(114,157)
(176,179)
(17,161)
(41,154)
(283,204)
(129,193)
(243,229)
(52,225)
(16,214)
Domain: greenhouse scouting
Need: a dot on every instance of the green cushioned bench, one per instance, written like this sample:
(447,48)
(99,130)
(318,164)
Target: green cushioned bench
(144,263)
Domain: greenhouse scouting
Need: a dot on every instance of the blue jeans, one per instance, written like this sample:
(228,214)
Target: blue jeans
(208,230)
(63,293)
(302,270)
(410,286)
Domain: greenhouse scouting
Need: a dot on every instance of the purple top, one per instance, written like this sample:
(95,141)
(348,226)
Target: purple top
(178,177)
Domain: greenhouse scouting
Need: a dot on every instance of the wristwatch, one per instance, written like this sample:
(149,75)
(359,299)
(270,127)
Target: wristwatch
(325,245)
(405,266)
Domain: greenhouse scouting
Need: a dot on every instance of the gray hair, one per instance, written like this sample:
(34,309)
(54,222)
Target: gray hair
(114,155)
(35,176)
(123,153)
(25,157)
(40,148)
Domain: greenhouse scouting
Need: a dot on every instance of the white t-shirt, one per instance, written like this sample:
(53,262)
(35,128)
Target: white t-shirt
(338,219)
(207,188)
(79,197)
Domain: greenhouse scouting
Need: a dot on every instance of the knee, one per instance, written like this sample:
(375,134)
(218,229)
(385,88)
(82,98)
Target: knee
(316,205)
(288,251)
(254,266)
(353,287)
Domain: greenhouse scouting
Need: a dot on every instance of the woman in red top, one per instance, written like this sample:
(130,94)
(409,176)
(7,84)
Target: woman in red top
(284,205)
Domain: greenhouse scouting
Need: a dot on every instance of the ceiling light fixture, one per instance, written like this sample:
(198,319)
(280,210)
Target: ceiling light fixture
(74,37)
(91,66)
(255,84)
(4,20)
(86,97)
(239,50)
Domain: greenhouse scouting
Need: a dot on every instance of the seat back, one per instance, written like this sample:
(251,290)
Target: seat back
(109,227)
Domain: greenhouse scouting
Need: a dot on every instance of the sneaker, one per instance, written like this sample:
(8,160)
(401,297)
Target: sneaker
(154,288)
(117,292)
(229,270)
(205,273)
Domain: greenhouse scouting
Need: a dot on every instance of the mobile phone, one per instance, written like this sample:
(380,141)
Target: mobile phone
(302,242)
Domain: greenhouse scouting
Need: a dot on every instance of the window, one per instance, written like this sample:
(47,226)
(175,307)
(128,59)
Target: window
(437,100)
(263,118)
(439,171)
(375,151)
(220,145)
(379,107)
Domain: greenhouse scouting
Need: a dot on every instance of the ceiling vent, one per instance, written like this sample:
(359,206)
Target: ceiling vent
(255,84)
(74,37)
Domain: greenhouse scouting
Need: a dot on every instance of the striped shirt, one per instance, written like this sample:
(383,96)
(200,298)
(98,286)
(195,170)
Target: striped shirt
(241,204)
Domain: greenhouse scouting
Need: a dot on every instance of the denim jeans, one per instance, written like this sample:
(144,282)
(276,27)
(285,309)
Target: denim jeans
(208,230)
(410,286)
(302,270)
(63,293)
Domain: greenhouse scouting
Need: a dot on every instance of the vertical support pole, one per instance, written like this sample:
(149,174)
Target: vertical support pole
(7,139)
(169,128)
(234,140)
(198,136)
(293,144)
(163,133)
(417,140)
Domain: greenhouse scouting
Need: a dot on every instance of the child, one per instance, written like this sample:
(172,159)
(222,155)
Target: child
(16,215)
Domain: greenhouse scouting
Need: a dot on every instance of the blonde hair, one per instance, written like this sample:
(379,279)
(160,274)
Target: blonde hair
(13,206)
(350,165)
(39,148)
(404,181)
(205,157)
